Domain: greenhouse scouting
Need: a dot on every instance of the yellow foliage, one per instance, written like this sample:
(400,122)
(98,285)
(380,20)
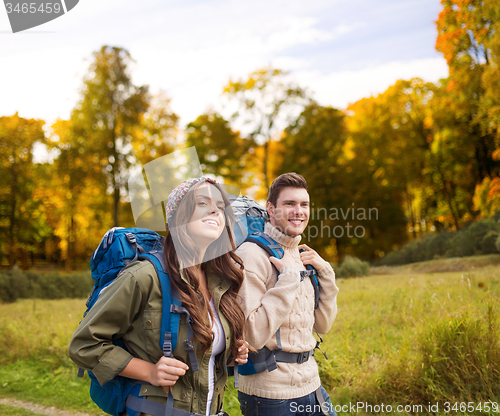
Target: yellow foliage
(487,196)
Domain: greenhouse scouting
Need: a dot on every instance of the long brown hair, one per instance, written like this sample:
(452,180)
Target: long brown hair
(219,257)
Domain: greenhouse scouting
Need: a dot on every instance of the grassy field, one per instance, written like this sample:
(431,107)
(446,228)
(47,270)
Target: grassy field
(406,337)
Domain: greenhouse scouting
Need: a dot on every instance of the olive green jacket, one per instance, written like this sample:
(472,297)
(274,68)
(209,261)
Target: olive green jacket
(130,308)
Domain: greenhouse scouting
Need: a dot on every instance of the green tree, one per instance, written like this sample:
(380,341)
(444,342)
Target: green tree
(21,222)
(107,118)
(221,150)
(157,133)
(354,210)
(313,146)
(266,99)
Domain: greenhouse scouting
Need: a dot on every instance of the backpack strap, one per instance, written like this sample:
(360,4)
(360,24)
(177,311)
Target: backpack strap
(267,244)
(172,308)
(170,319)
(137,248)
(311,272)
(188,343)
(146,406)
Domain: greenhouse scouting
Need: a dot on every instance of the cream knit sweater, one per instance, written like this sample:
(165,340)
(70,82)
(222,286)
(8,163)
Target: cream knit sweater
(287,303)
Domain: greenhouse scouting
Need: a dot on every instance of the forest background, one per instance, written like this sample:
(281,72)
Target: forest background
(418,159)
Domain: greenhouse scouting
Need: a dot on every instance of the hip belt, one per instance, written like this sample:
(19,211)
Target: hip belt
(143,405)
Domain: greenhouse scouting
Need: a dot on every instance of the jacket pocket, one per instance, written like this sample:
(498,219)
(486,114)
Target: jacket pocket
(151,326)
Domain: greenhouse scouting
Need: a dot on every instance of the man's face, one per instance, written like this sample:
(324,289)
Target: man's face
(291,213)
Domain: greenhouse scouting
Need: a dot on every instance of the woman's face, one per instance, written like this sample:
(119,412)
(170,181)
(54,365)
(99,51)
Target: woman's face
(207,221)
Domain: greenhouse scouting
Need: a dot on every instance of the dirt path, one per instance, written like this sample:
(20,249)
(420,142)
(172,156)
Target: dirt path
(37,408)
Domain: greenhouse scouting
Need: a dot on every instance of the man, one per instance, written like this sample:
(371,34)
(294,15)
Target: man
(275,297)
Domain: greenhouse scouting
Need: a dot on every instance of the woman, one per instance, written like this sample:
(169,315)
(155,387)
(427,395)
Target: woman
(206,275)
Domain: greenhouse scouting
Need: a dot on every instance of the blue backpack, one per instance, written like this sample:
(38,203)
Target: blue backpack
(249,227)
(120,247)
(250,217)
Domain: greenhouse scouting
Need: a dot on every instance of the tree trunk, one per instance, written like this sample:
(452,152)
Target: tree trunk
(116,175)
(12,219)
(449,201)
(264,167)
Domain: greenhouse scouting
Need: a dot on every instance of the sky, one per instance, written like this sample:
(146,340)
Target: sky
(341,50)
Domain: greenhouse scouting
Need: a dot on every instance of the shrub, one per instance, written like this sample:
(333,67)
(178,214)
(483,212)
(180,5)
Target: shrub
(479,237)
(418,250)
(497,244)
(437,244)
(467,241)
(352,267)
(13,285)
(16,284)
(401,256)
(488,243)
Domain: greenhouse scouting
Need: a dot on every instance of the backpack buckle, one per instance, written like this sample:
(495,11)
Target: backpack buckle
(188,345)
(167,345)
(303,357)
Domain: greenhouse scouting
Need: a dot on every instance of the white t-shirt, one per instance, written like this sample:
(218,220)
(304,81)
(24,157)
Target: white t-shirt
(218,346)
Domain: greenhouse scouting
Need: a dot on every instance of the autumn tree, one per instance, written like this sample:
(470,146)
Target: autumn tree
(78,212)
(21,224)
(390,132)
(469,38)
(107,117)
(266,102)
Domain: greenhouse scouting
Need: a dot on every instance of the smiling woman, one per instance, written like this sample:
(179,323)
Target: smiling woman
(200,226)
(205,275)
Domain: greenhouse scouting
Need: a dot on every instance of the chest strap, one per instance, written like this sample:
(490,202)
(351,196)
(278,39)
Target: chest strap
(265,359)
(293,357)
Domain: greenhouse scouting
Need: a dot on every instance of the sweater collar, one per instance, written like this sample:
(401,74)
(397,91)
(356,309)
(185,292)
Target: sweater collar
(281,238)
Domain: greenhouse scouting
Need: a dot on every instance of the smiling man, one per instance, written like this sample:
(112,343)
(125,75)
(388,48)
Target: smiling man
(279,305)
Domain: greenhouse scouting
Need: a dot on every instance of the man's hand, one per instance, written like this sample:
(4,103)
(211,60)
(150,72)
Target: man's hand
(167,371)
(286,260)
(311,257)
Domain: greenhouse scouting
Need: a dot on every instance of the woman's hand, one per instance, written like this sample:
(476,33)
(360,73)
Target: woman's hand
(242,356)
(163,374)
(166,372)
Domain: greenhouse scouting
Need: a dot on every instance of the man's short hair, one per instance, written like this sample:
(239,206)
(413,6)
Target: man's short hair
(292,179)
